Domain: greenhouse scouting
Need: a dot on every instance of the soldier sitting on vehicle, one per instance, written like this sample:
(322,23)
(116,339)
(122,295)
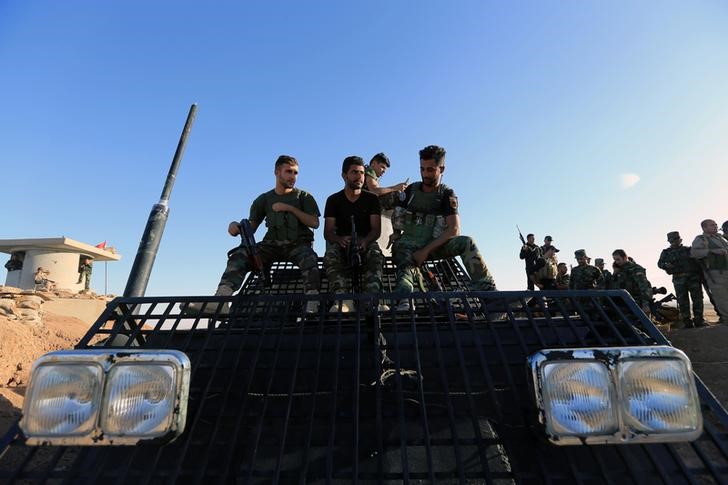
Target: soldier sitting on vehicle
(341,258)
(290,214)
(427,225)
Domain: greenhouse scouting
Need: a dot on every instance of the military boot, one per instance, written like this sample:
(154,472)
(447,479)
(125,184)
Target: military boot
(195,308)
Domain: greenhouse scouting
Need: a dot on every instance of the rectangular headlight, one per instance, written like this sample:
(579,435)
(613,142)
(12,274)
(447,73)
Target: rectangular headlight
(102,397)
(616,395)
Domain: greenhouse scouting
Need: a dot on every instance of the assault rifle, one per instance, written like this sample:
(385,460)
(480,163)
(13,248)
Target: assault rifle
(520,235)
(354,257)
(247,242)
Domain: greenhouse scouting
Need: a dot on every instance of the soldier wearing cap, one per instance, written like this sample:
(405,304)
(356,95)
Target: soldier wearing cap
(686,278)
(711,250)
(607,281)
(585,276)
(546,270)
(633,278)
(427,225)
(546,243)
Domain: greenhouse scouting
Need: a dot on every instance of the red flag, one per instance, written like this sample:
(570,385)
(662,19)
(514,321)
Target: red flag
(101,245)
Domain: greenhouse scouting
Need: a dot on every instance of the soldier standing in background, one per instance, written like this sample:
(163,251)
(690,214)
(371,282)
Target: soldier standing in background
(633,278)
(84,272)
(546,270)
(562,278)
(711,250)
(585,276)
(427,224)
(364,208)
(686,278)
(530,252)
(607,276)
(546,243)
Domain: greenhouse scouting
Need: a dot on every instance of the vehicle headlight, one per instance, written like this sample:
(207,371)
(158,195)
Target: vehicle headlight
(102,397)
(579,399)
(616,395)
(64,399)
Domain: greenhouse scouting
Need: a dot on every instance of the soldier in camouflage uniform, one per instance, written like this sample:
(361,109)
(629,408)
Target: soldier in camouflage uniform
(711,249)
(364,208)
(686,278)
(427,225)
(378,165)
(562,278)
(84,271)
(290,215)
(547,270)
(607,276)
(633,278)
(585,276)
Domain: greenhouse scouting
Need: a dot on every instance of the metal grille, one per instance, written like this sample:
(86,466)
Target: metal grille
(435,394)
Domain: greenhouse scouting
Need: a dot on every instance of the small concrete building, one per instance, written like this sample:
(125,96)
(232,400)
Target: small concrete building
(60,257)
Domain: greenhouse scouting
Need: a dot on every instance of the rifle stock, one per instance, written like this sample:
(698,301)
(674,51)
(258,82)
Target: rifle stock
(247,242)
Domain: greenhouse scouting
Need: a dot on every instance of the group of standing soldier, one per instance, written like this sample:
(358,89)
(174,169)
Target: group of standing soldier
(705,263)
(425,224)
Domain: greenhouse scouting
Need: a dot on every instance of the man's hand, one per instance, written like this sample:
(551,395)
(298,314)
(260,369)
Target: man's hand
(234,228)
(400,187)
(719,251)
(343,241)
(420,256)
(540,286)
(281,207)
(363,245)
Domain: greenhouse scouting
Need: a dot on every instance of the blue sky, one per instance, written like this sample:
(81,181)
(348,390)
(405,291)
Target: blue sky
(542,107)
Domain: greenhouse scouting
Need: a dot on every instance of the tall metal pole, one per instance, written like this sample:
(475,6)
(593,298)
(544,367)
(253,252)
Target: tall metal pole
(136,285)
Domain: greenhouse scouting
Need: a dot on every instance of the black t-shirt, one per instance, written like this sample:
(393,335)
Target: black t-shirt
(340,208)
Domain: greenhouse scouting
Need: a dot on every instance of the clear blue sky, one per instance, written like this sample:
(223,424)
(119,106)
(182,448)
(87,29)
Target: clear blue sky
(542,107)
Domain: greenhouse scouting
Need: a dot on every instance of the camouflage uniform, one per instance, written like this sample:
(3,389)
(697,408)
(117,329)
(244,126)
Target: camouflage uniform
(633,278)
(715,268)
(563,280)
(687,280)
(586,277)
(606,283)
(84,271)
(287,239)
(369,172)
(421,217)
(336,259)
(337,269)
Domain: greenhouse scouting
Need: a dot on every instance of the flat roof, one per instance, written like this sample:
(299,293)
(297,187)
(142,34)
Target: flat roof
(61,244)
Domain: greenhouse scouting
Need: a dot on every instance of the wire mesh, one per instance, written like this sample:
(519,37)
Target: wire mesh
(438,393)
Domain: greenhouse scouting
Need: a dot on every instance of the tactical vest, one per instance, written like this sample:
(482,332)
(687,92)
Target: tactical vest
(715,261)
(419,221)
(284,226)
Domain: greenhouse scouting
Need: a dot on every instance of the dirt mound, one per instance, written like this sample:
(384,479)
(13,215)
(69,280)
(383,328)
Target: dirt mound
(20,345)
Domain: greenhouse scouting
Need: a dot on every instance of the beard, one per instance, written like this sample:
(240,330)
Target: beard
(355,185)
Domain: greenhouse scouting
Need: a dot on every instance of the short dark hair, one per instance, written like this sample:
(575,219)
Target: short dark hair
(530,235)
(349,161)
(561,264)
(433,152)
(381,158)
(620,253)
(286,160)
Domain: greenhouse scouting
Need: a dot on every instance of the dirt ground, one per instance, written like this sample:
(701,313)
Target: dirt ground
(21,344)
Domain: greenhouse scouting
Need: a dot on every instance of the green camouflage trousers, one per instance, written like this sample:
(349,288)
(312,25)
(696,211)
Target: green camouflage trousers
(301,254)
(691,286)
(85,272)
(338,271)
(463,246)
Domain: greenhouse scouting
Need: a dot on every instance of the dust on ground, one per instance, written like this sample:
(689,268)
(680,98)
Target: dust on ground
(21,344)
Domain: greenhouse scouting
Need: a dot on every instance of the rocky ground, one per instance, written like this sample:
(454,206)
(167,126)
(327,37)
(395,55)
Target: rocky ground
(25,338)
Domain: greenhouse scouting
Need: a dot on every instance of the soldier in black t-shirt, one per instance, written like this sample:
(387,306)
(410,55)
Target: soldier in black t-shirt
(365,209)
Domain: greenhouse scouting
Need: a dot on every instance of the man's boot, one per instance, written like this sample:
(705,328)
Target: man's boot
(195,308)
